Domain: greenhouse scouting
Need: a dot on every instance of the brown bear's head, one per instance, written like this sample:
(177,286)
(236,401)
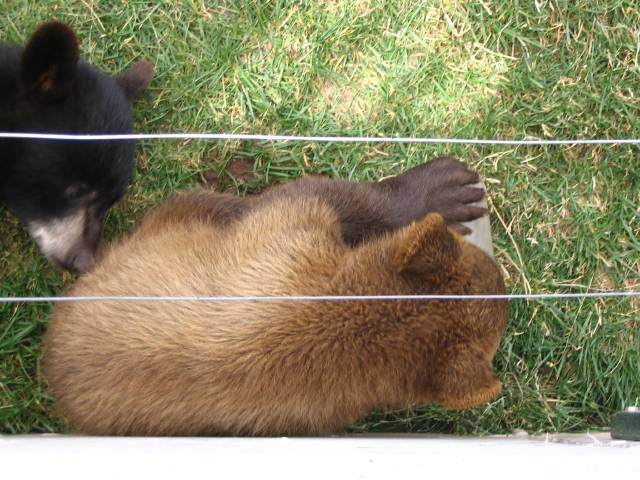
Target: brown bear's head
(442,349)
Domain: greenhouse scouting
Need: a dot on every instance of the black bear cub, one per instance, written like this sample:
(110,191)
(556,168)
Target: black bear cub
(61,190)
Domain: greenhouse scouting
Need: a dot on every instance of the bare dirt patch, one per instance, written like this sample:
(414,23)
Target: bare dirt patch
(239,173)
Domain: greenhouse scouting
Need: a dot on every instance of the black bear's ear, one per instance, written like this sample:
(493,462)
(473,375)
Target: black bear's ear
(135,79)
(426,248)
(49,61)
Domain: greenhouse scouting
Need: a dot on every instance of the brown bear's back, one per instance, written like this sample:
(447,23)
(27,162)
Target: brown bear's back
(184,347)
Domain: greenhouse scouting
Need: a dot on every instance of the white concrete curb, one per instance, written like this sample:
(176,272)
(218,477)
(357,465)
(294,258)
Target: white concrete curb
(362,457)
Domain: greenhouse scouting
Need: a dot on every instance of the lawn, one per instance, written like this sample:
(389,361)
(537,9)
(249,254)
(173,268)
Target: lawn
(564,218)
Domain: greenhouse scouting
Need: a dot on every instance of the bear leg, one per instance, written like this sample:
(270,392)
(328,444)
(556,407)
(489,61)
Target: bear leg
(444,185)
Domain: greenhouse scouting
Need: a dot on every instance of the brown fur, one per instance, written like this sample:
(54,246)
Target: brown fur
(444,185)
(272,368)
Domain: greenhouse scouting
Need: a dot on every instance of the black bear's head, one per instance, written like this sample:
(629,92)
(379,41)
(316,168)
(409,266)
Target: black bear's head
(62,190)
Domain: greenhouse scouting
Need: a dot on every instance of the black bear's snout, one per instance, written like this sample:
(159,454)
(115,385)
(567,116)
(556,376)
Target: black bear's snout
(80,263)
(71,241)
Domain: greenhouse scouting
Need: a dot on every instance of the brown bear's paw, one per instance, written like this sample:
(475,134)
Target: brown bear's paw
(473,399)
(466,381)
(445,186)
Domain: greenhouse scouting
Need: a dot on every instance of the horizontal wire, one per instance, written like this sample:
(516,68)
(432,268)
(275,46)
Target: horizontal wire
(308,138)
(304,138)
(331,298)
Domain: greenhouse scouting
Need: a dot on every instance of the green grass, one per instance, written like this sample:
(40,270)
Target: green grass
(565,218)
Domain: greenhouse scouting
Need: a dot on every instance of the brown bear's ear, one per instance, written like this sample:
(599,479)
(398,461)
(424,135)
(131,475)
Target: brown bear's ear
(466,381)
(49,62)
(426,248)
(135,79)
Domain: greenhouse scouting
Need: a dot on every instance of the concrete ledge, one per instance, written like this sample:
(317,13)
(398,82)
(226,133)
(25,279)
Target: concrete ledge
(370,456)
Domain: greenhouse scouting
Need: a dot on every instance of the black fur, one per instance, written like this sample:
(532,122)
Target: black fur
(46,88)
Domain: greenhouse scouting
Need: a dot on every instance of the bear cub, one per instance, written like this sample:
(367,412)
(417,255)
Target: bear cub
(61,190)
(283,367)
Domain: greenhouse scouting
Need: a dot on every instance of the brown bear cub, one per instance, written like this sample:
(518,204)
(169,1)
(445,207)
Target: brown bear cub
(283,367)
